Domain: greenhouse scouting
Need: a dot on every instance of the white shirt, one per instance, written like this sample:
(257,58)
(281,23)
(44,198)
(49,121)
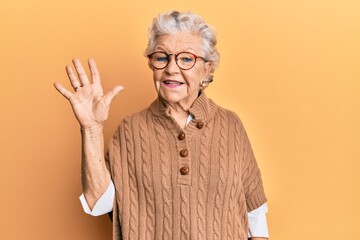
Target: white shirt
(256,218)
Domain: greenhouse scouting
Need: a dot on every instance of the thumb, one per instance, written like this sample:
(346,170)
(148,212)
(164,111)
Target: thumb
(108,97)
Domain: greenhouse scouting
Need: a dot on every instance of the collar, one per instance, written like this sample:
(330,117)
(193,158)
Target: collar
(202,109)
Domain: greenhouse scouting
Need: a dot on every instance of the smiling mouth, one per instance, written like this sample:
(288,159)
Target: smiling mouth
(174,83)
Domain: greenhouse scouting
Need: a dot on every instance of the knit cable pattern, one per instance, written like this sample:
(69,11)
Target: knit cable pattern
(251,178)
(114,152)
(203,178)
(165,180)
(241,218)
(133,184)
(185,232)
(219,193)
(230,226)
(147,179)
(242,208)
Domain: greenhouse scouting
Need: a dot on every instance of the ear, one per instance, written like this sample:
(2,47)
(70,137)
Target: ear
(207,68)
(207,76)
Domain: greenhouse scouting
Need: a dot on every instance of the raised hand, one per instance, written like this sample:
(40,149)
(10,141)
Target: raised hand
(89,103)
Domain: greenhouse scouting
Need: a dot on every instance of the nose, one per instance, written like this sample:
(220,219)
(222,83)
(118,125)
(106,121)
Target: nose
(172,67)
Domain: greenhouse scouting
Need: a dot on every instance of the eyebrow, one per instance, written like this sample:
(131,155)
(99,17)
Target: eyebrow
(160,48)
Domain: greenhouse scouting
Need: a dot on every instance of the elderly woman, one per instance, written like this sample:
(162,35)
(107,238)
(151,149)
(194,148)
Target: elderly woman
(183,168)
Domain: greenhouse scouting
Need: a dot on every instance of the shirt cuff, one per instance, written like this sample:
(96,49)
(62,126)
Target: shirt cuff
(103,205)
(257,222)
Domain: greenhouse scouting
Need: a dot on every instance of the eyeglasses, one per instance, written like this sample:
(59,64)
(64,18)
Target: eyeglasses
(184,60)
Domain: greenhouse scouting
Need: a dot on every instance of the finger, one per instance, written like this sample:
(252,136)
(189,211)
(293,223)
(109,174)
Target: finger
(67,94)
(72,77)
(81,72)
(108,97)
(95,75)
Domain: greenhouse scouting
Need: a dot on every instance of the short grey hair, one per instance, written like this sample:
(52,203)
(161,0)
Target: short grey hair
(174,21)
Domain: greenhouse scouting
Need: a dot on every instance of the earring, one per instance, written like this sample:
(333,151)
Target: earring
(205,83)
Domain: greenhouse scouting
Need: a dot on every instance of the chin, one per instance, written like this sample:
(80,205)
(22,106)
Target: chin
(172,99)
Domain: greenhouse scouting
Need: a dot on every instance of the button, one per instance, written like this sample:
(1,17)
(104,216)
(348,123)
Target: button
(184,170)
(184,152)
(181,136)
(200,125)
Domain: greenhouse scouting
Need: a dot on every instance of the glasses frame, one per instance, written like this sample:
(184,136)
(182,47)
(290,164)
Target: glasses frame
(176,59)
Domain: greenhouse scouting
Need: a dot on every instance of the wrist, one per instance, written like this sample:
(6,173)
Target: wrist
(92,128)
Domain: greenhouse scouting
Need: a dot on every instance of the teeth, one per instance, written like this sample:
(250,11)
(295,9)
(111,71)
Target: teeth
(173,82)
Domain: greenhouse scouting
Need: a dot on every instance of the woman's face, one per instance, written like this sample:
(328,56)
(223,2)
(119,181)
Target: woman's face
(174,85)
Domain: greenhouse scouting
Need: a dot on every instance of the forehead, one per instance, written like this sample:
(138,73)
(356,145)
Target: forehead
(179,42)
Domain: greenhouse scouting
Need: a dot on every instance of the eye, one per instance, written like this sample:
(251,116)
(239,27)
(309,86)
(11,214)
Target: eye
(161,59)
(186,59)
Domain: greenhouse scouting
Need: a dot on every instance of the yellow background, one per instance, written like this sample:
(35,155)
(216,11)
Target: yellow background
(290,69)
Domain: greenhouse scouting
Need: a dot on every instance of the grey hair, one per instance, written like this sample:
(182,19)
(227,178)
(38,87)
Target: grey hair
(173,22)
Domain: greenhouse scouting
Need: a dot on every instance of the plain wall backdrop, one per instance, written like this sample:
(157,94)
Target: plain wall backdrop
(289,69)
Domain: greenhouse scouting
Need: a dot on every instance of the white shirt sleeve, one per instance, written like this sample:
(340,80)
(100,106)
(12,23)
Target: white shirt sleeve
(257,222)
(103,205)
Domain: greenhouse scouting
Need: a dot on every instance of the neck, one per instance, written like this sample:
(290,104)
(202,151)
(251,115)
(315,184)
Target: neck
(179,114)
(179,111)
(183,106)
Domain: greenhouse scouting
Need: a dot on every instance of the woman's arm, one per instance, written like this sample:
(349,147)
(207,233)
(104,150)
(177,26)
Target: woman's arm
(95,177)
(91,108)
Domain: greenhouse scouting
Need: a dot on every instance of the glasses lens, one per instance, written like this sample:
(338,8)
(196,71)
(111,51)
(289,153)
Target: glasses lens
(159,60)
(185,60)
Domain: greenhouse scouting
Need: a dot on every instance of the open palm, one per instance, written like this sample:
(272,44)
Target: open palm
(89,103)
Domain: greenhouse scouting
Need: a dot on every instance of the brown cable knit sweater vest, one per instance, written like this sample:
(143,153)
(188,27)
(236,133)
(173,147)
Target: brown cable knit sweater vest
(196,183)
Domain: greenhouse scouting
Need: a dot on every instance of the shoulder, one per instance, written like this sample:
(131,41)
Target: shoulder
(230,116)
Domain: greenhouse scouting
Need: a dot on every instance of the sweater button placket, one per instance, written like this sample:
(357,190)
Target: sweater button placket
(181,136)
(184,170)
(184,176)
(184,153)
